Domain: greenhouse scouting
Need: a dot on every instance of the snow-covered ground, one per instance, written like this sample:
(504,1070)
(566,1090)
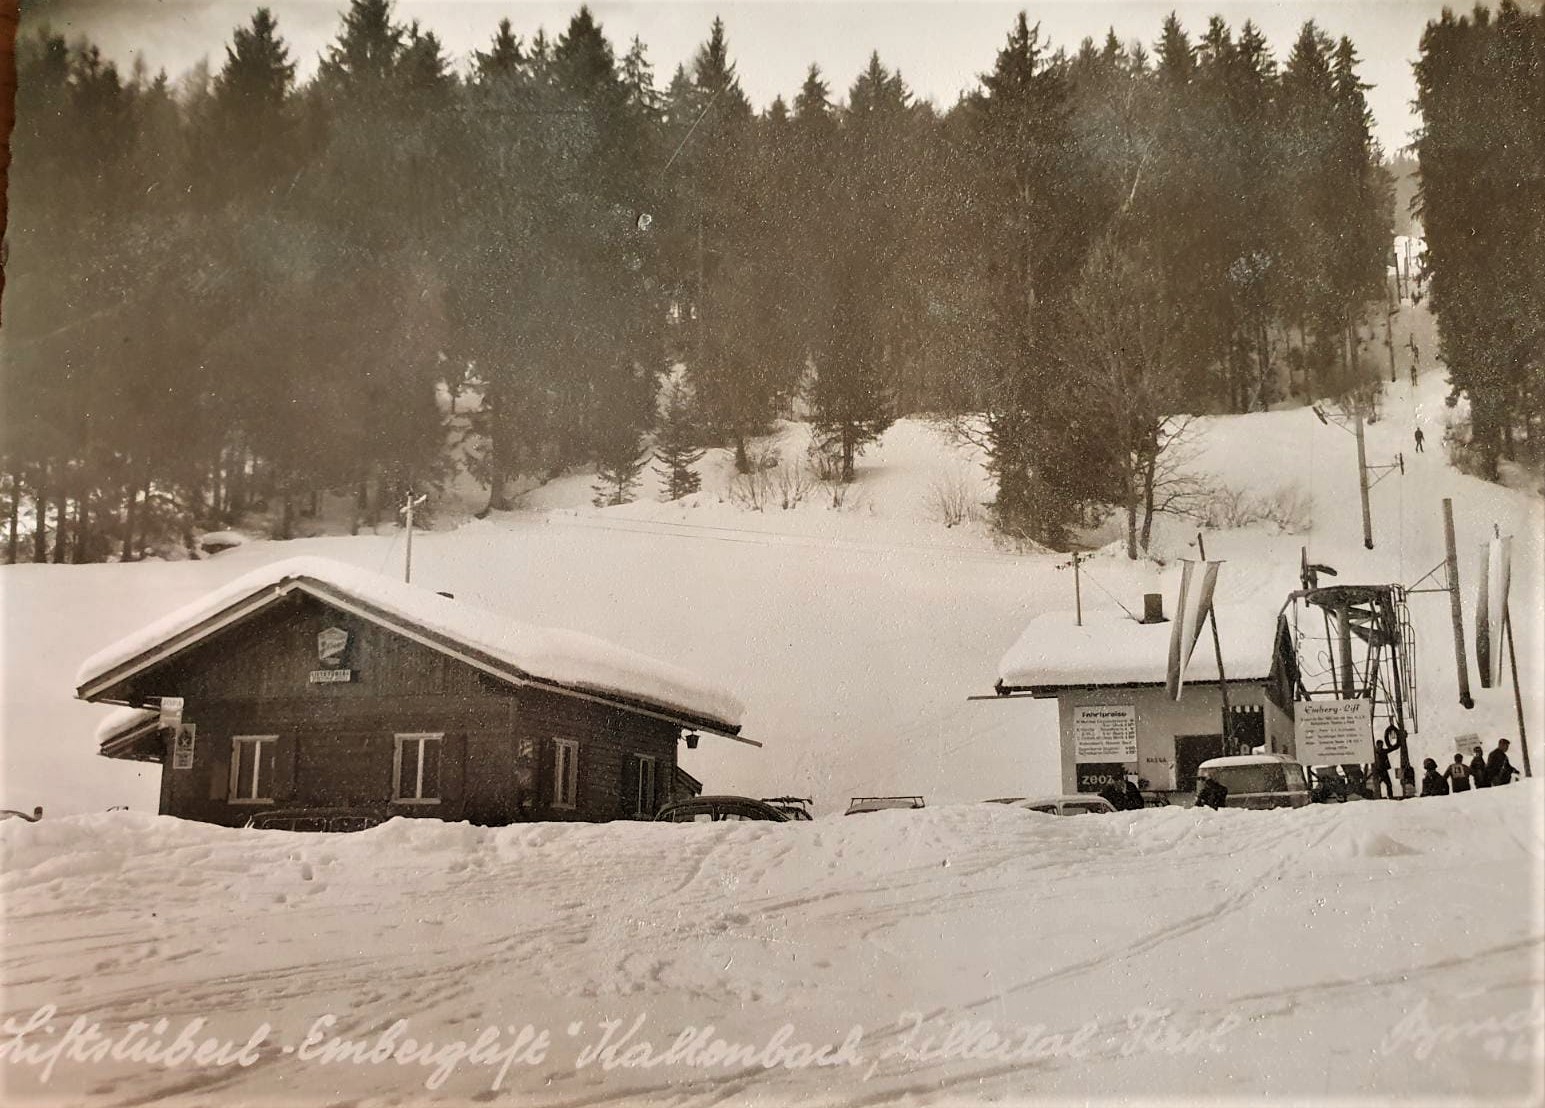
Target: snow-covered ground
(973,953)
(854,634)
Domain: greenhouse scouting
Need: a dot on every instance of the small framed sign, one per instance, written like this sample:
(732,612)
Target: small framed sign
(182,746)
(171,711)
(331,676)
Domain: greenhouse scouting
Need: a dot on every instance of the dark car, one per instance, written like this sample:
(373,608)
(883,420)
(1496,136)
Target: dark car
(861,804)
(315,819)
(717,809)
(797,808)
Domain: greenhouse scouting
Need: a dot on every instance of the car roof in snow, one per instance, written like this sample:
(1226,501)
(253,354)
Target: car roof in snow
(501,646)
(1113,649)
(1247,760)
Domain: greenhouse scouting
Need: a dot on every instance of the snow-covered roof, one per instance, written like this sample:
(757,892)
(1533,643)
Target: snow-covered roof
(122,721)
(565,658)
(1114,649)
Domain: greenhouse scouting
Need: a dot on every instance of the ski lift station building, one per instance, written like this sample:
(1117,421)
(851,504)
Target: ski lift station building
(1115,715)
(308,684)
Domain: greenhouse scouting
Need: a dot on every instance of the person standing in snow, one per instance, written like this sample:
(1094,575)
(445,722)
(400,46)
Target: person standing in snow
(1381,783)
(1433,783)
(1499,771)
(1134,793)
(1420,438)
(1457,775)
(1478,770)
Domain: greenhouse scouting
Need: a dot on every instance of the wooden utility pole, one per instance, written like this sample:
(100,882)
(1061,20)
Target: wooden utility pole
(407,510)
(1078,595)
(1362,482)
(1217,649)
(1518,698)
(1456,611)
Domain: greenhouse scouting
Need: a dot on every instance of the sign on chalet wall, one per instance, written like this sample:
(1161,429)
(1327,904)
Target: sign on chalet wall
(182,746)
(332,644)
(1105,733)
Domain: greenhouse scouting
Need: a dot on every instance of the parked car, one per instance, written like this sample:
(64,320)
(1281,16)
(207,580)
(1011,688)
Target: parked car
(1258,780)
(1332,785)
(1071,804)
(315,819)
(860,804)
(717,809)
(797,808)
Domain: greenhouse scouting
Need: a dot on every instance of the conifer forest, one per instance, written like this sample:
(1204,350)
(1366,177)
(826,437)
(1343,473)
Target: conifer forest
(236,288)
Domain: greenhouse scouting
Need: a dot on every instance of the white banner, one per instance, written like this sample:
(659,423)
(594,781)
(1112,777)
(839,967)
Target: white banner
(1191,611)
(1491,609)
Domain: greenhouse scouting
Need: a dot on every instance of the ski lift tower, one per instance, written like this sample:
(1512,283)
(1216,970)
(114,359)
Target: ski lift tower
(1356,642)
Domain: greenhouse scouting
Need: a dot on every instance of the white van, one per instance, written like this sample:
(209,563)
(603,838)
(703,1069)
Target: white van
(1258,780)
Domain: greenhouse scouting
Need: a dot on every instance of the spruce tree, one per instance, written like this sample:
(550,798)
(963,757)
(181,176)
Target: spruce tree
(676,445)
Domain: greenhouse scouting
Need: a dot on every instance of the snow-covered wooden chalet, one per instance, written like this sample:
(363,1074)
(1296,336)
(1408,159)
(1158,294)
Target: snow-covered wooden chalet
(313,685)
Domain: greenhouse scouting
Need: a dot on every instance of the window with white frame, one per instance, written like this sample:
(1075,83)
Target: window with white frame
(565,773)
(416,769)
(646,800)
(252,768)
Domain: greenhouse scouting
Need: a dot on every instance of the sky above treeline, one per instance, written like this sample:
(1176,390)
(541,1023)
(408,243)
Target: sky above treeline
(941,48)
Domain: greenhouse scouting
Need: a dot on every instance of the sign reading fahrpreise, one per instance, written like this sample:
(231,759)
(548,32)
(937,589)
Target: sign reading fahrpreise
(1333,732)
(1105,733)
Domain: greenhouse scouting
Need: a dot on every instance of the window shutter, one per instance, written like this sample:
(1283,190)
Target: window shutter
(284,768)
(629,798)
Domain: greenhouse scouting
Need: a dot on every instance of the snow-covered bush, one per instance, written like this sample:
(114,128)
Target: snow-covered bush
(1288,508)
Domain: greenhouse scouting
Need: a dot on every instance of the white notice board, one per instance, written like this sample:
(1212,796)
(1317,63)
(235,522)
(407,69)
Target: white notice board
(1333,732)
(1105,733)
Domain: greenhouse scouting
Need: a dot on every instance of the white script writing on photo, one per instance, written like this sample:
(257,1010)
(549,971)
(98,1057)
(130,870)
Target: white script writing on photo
(1516,1037)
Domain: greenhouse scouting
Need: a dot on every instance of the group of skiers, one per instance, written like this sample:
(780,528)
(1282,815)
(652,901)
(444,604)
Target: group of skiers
(1485,771)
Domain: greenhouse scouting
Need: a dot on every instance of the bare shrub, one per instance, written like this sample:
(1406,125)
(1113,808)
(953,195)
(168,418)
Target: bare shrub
(765,484)
(825,462)
(793,483)
(951,499)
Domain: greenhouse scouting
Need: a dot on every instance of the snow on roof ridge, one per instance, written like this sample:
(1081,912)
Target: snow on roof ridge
(1114,649)
(566,657)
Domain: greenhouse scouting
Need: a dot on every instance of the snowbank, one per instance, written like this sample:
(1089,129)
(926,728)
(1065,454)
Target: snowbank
(1311,955)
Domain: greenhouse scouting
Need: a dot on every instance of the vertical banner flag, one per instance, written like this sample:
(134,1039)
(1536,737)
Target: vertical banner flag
(1491,609)
(1190,613)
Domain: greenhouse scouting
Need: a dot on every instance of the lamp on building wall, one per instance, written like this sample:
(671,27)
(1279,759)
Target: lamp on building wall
(692,740)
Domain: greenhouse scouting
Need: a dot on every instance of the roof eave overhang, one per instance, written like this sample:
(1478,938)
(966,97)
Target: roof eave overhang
(1004,690)
(103,687)
(142,743)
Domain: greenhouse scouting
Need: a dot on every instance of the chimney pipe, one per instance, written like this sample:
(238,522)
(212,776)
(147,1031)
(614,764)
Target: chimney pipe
(1153,607)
